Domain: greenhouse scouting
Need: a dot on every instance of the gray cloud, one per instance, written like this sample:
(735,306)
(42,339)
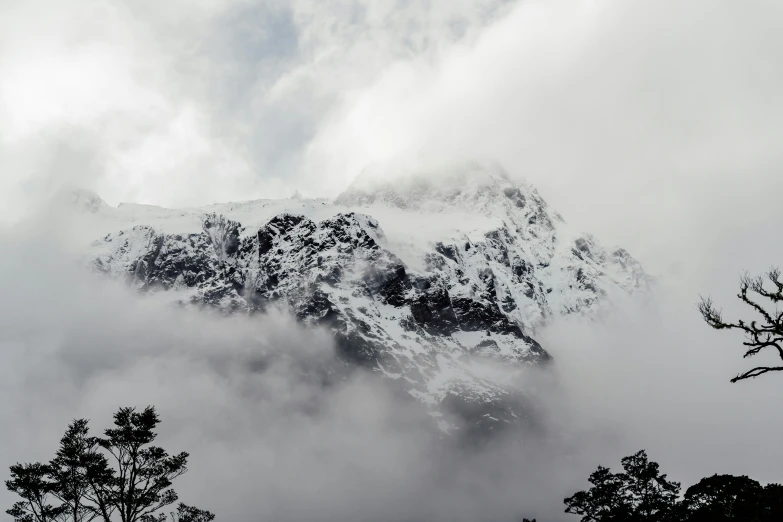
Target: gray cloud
(649,123)
(269,441)
(663,113)
(653,124)
(221,97)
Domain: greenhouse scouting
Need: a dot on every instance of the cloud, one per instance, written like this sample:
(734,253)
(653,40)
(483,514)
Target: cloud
(647,122)
(270,441)
(656,377)
(101,78)
(653,124)
(246,397)
(664,114)
(217,97)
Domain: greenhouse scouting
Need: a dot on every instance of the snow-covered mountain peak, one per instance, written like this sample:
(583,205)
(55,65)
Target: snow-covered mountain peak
(475,186)
(427,187)
(418,275)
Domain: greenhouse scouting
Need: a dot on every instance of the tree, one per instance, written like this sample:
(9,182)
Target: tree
(772,503)
(652,496)
(118,476)
(186,513)
(722,498)
(640,493)
(75,470)
(32,482)
(765,333)
(144,473)
(604,502)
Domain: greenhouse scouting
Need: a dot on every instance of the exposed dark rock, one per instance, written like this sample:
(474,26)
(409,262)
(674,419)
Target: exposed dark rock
(478,296)
(515,195)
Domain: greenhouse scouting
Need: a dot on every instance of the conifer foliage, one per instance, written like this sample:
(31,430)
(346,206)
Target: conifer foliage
(120,476)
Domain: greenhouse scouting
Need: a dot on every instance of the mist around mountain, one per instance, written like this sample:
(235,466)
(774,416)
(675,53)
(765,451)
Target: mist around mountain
(261,398)
(412,382)
(447,312)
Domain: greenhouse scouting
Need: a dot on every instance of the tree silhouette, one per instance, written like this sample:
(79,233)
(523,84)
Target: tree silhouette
(76,467)
(33,483)
(772,502)
(190,514)
(722,498)
(764,334)
(604,502)
(144,473)
(652,496)
(640,493)
(118,476)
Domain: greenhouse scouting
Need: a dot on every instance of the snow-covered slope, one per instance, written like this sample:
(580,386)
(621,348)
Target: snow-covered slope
(419,279)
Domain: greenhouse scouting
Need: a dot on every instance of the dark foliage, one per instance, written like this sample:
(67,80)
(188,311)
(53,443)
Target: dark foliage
(76,466)
(190,514)
(120,476)
(641,493)
(34,484)
(723,498)
(766,333)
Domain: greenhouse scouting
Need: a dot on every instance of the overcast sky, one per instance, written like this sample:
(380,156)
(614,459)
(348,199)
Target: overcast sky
(654,111)
(655,124)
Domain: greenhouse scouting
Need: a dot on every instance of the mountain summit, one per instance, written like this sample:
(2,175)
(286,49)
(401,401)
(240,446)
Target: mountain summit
(423,279)
(466,185)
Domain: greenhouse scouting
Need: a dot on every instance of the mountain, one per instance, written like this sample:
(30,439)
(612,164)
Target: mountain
(433,280)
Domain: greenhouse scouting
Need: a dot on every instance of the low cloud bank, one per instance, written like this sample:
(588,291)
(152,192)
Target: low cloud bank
(270,442)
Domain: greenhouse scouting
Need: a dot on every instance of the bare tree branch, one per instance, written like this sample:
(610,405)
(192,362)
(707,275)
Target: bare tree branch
(760,335)
(755,372)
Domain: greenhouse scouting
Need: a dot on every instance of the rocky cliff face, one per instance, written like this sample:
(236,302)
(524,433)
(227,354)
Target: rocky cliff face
(423,312)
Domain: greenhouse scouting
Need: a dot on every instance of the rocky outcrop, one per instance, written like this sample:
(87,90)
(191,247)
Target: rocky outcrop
(473,298)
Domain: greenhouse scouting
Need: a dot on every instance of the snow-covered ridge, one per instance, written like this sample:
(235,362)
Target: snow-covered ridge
(417,279)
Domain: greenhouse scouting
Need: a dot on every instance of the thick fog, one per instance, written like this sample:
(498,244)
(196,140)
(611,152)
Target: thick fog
(653,124)
(270,442)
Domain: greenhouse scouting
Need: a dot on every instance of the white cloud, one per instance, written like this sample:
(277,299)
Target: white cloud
(192,102)
(655,124)
(661,114)
(611,108)
(269,440)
